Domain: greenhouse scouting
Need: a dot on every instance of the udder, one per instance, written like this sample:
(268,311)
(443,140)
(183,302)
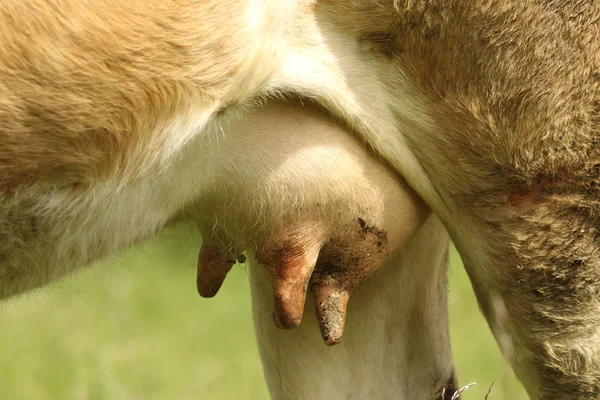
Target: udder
(317,209)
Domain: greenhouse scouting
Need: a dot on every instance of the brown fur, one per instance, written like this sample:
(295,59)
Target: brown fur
(518,91)
(515,86)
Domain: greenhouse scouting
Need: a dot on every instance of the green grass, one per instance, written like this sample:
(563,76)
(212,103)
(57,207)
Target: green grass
(134,327)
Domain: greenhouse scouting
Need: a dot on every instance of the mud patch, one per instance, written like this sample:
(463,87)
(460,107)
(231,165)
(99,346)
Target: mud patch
(331,306)
(351,259)
(379,237)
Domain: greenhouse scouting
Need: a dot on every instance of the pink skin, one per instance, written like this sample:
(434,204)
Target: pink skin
(353,214)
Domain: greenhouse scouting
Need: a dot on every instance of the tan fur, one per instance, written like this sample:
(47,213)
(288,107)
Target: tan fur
(88,87)
(489,109)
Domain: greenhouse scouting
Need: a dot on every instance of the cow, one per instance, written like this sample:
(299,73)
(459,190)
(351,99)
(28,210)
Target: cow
(489,111)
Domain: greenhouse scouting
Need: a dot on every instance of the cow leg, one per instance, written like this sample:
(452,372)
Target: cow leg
(538,283)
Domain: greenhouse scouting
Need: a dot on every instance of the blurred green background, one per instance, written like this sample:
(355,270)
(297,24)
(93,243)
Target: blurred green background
(134,327)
